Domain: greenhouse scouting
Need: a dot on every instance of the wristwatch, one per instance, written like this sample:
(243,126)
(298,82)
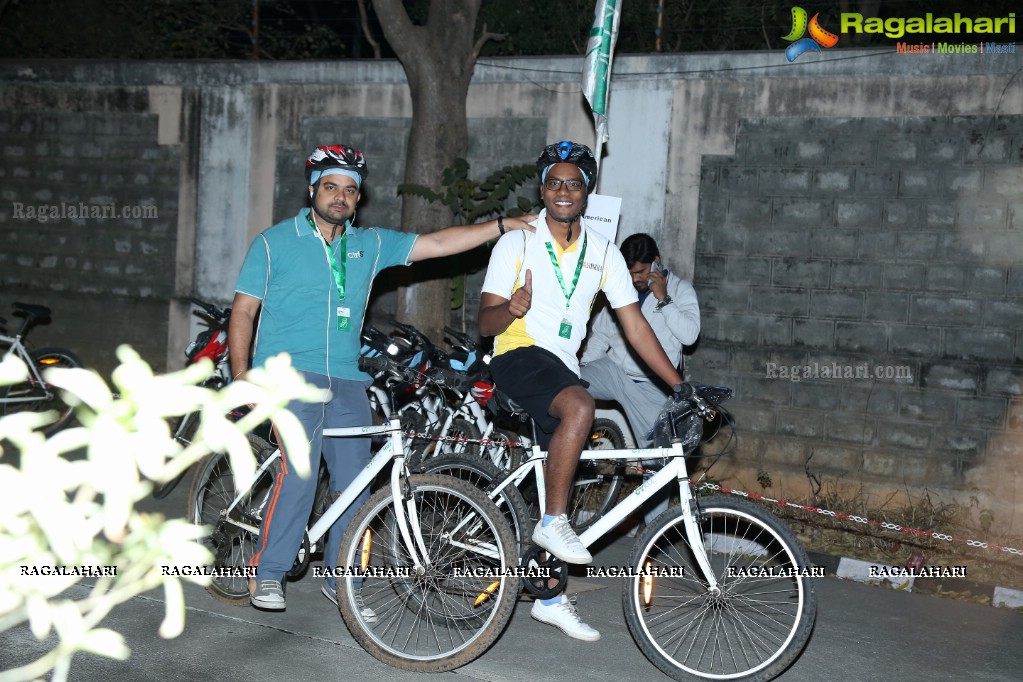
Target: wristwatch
(663,302)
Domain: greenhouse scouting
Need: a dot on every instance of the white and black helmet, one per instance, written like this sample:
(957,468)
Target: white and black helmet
(335,156)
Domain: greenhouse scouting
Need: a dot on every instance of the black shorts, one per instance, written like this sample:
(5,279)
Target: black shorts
(533,377)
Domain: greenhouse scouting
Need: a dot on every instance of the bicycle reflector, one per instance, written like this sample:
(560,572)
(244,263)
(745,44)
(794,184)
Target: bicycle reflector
(487,593)
(49,361)
(648,585)
(367,543)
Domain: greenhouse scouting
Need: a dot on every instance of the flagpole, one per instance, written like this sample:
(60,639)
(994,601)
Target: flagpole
(597,68)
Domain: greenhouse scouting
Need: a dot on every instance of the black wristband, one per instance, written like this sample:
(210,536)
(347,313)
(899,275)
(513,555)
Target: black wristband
(500,224)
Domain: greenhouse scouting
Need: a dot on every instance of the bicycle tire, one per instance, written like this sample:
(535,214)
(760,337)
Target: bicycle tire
(762,618)
(460,428)
(212,490)
(506,457)
(597,482)
(43,359)
(481,473)
(436,621)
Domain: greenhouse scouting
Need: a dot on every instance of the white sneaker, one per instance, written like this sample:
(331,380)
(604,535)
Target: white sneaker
(368,614)
(559,539)
(564,617)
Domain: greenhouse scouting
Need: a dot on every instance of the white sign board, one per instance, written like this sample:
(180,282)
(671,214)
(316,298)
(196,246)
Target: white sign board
(602,214)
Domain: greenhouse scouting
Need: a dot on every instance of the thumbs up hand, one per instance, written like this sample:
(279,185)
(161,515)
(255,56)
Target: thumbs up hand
(522,299)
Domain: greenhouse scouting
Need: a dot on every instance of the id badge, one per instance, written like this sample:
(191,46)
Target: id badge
(344,318)
(565,331)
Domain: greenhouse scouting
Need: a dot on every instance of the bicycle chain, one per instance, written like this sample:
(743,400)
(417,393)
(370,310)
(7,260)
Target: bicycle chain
(462,439)
(860,519)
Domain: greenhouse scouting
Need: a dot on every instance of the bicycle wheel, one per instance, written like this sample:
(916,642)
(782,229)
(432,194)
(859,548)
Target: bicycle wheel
(597,482)
(451,612)
(35,397)
(509,454)
(481,473)
(212,491)
(757,624)
(461,428)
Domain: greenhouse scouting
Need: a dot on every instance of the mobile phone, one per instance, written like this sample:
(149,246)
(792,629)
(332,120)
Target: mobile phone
(657,267)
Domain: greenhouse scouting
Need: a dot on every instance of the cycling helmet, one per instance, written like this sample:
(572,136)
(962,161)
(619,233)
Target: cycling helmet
(569,152)
(336,156)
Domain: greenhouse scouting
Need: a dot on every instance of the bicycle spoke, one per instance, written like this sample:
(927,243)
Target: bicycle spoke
(758,620)
(436,616)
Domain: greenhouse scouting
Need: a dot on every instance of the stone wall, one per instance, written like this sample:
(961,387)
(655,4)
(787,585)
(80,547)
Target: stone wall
(88,218)
(858,208)
(885,251)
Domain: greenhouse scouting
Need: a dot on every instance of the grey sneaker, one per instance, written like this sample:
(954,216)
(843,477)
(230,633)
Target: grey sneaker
(368,614)
(564,617)
(559,539)
(267,594)
(329,593)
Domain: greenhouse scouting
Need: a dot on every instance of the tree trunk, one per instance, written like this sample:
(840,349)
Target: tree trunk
(438,59)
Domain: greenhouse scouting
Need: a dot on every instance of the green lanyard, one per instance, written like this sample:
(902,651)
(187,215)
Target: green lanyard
(565,330)
(344,313)
(338,269)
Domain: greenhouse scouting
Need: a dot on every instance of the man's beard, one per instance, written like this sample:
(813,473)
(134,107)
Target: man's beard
(567,221)
(328,219)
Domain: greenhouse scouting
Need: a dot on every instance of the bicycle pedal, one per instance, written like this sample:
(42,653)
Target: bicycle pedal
(542,571)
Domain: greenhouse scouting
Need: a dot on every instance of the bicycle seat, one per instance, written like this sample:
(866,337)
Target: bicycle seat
(501,404)
(31,310)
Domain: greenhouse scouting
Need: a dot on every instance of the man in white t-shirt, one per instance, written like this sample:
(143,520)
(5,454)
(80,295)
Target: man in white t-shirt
(537,339)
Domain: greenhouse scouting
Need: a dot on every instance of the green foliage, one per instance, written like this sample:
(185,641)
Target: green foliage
(469,200)
(62,510)
(165,29)
(301,29)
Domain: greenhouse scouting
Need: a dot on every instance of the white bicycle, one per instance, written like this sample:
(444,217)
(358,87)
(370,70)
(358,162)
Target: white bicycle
(34,394)
(416,549)
(716,588)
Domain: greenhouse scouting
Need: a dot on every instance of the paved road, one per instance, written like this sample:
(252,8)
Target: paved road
(863,633)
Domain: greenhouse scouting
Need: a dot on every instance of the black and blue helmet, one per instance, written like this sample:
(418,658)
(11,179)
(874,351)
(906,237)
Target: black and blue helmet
(569,152)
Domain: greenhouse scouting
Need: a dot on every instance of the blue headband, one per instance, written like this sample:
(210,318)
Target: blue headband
(586,178)
(316,176)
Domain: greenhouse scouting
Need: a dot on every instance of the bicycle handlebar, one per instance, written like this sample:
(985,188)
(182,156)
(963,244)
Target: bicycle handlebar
(466,341)
(220,315)
(384,364)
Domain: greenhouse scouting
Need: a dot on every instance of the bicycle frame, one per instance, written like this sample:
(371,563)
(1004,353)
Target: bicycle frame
(392,451)
(471,410)
(675,469)
(16,347)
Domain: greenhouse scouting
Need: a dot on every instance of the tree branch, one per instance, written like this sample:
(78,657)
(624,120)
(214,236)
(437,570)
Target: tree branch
(364,17)
(398,29)
(482,40)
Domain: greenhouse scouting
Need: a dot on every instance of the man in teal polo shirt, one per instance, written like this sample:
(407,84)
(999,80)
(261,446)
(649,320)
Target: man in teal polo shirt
(308,280)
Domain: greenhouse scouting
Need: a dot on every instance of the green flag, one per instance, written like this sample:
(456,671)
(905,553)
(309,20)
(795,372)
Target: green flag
(597,71)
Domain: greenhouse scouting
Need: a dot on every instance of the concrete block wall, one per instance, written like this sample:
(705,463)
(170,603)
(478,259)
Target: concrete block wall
(891,244)
(105,275)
